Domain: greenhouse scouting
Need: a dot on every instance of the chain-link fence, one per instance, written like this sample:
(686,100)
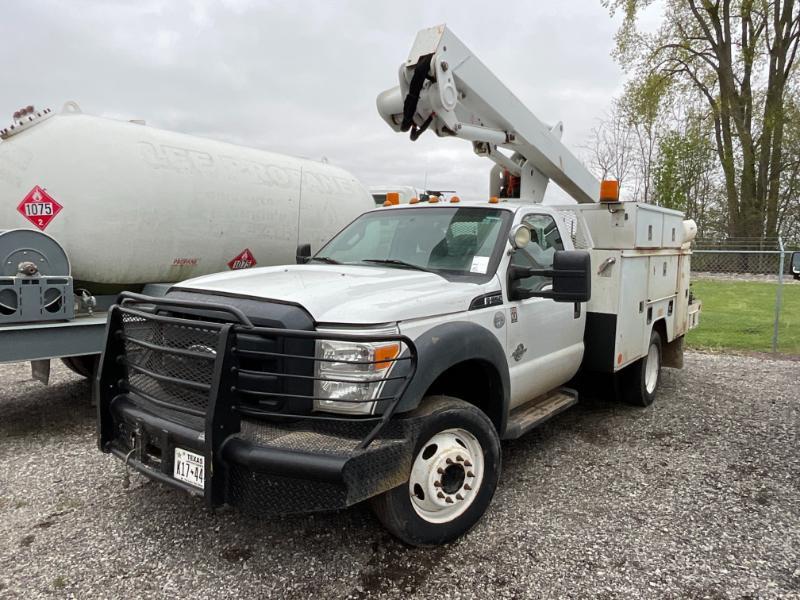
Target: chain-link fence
(748,283)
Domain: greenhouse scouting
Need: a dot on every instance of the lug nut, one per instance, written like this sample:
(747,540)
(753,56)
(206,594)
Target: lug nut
(437,484)
(467,464)
(440,471)
(470,474)
(460,458)
(449,461)
(449,500)
(440,495)
(459,497)
(467,487)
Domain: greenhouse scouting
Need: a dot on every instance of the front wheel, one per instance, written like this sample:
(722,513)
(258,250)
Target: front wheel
(644,375)
(453,476)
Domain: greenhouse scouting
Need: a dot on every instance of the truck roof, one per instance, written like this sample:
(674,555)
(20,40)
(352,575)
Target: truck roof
(510,206)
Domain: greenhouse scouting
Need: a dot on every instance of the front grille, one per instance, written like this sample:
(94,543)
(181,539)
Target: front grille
(274,372)
(170,362)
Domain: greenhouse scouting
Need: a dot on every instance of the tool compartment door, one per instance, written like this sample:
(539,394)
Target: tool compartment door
(632,312)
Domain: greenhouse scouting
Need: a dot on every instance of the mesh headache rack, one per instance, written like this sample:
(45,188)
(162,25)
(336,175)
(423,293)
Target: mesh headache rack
(197,362)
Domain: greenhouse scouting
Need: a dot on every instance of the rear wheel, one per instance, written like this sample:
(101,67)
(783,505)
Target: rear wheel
(643,377)
(453,476)
(85,366)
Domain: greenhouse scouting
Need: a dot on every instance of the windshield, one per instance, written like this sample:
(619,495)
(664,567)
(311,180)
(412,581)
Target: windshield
(459,241)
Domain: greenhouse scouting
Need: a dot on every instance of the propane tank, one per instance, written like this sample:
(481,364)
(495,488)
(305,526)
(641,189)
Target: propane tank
(132,204)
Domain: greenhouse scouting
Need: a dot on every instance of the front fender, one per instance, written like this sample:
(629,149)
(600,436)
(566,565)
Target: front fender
(447,345)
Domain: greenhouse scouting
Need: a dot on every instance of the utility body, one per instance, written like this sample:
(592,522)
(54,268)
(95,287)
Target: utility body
(391,363)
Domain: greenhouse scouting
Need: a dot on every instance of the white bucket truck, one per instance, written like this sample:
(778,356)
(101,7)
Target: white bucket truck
(389,365)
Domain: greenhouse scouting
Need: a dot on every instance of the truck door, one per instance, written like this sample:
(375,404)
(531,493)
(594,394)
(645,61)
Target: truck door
(545,338)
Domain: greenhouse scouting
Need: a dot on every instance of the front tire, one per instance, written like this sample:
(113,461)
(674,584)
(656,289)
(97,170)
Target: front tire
(453,477)
(644,375)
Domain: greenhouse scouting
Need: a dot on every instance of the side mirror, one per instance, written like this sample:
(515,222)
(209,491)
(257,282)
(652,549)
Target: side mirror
(794,266)
(303,254)
(571,273)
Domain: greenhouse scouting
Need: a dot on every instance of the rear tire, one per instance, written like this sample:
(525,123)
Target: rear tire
(453,477)
(85,366)
(643,376)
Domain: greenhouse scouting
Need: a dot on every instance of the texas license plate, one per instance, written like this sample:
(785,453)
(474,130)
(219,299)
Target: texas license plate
(190,468)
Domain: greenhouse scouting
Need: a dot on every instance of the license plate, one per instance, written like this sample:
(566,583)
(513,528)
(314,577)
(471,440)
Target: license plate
(190,468)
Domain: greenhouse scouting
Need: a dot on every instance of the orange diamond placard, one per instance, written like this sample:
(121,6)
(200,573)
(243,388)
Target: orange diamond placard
(39,207)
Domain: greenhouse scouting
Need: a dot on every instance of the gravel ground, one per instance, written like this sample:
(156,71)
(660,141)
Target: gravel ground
(695,497)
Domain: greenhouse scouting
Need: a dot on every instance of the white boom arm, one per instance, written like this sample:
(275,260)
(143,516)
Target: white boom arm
(444,86)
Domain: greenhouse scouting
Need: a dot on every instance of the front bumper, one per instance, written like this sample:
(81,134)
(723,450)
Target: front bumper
(267,468)
(260,462)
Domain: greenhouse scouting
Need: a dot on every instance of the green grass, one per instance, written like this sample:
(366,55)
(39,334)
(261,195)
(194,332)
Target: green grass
(739,315)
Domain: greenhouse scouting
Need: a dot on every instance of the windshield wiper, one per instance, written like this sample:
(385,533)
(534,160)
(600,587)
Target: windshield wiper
(399,263)
(326,260)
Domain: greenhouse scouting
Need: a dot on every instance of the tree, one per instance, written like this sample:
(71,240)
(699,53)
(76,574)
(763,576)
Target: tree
(684,174)
(645,104)
(739,57)
(610,150)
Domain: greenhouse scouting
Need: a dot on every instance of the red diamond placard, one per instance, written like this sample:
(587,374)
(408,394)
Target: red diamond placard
(244,260)
(39,207)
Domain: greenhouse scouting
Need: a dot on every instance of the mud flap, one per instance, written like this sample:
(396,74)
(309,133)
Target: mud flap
(672,353)
(40,370)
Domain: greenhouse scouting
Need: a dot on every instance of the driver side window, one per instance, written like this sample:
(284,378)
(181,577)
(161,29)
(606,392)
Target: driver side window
(545,240)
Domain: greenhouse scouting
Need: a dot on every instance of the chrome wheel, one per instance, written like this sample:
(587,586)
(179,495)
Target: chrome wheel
(652,367)
(446,475)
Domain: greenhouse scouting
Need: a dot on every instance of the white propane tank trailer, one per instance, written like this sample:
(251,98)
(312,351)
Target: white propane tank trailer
(91,206)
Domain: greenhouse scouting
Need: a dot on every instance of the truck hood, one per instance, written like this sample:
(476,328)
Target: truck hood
(348,294)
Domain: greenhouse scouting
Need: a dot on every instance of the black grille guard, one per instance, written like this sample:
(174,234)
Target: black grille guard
(145,342)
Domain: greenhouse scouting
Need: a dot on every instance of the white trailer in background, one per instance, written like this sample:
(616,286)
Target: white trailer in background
(92,206)
(404,192)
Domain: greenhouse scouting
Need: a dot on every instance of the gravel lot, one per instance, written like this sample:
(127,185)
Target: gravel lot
(695,497)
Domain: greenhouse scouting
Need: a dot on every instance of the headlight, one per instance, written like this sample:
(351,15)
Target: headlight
(349,375)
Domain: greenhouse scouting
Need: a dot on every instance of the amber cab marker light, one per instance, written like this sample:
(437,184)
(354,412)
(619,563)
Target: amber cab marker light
(609,190)
(455,199)
(494,200)
(433,199)
(393,198)
(414,200)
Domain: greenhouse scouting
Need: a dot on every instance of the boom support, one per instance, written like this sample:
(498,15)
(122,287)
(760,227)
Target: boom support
(444,86)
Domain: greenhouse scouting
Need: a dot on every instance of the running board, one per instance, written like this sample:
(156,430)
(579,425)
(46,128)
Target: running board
(527,416)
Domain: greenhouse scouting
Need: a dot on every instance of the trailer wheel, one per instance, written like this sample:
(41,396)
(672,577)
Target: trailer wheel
(453,476)
(644,375)
(85,366)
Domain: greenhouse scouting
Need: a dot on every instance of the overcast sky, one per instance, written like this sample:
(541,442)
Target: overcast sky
(301,77)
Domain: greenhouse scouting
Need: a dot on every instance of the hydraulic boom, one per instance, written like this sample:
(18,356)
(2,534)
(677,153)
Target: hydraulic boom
(445,87)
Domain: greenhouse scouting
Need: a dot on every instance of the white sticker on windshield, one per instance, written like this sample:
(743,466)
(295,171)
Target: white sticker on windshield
(479,264)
